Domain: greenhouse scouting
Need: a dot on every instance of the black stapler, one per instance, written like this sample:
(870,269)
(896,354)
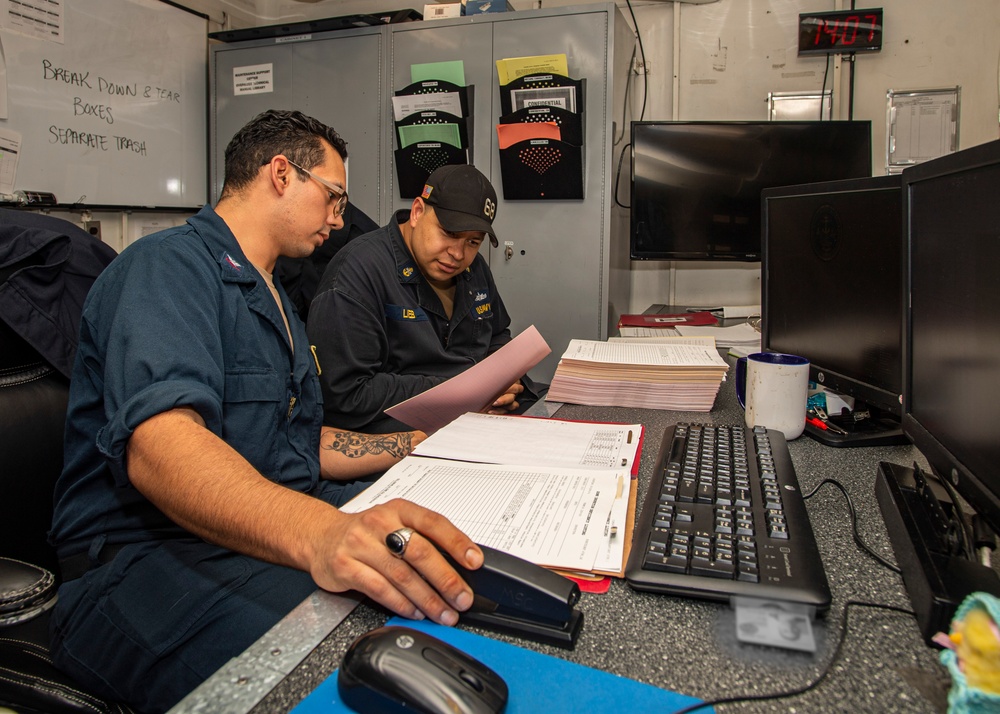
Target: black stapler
(515,596)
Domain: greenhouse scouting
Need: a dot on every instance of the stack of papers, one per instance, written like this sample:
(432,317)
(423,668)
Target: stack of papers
(563,498)
(739,339)
(513,68)
(670,339)
(646,375)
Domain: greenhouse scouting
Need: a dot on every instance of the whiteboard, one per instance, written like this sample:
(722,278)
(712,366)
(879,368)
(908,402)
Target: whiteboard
(109,109)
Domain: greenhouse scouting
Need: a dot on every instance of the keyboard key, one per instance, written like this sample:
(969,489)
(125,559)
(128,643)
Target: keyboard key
(712,568)
(777,531)
(667,565)
(724,560)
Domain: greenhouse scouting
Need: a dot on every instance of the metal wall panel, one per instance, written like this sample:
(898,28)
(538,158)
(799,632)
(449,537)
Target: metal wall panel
(333,76)
(435,41)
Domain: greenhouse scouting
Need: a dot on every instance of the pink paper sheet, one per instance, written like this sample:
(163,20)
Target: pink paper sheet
(475,389)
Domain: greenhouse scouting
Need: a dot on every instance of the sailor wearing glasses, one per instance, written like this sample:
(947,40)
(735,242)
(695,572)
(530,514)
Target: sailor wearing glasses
(198,501)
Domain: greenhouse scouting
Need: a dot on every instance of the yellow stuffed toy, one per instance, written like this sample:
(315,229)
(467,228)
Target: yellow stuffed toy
(972,655)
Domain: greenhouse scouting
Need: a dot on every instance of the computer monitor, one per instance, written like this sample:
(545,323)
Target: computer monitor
(951,381)
(696,185)
(831,291)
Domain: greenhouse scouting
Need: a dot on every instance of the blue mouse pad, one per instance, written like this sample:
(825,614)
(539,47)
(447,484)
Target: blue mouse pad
(537,682)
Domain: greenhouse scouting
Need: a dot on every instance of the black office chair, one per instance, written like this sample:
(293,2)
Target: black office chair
(33,399)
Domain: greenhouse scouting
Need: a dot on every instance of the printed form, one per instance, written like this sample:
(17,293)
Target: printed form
(643,353)
(500,439)
(553,516)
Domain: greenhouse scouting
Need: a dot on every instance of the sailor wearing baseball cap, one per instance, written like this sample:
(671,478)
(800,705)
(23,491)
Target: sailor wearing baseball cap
(408,306)
(463,199)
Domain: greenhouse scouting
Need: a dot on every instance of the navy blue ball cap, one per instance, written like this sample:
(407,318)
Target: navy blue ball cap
(463,199)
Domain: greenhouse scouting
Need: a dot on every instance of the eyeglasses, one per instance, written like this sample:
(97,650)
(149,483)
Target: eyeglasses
(337,197)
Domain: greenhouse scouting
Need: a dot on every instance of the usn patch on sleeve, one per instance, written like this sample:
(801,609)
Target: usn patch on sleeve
(399,313)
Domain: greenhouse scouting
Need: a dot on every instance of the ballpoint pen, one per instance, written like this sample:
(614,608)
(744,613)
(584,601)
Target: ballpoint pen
(613,522)
(825,425)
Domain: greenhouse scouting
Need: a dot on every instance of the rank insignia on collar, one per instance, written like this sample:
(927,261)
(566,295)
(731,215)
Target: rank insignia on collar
(228,260)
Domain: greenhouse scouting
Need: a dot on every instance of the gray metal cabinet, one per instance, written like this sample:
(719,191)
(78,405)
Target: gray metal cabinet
(562,265)
(335,77)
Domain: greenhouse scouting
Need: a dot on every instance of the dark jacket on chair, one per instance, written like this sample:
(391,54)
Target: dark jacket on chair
(47,266)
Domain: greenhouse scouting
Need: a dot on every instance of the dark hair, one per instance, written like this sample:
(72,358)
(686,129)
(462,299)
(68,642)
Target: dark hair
(274,132)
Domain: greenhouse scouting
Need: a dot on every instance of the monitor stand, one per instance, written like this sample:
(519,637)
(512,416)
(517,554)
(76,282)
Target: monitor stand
(922,521)
(878,428)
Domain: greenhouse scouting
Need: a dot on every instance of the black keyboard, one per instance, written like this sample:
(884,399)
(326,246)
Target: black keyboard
(724,517)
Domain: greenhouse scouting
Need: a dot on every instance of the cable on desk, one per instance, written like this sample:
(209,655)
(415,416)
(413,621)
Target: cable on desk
(854,524)
(816,682)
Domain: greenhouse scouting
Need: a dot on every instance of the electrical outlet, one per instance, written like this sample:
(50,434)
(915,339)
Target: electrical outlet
(93,228)
(639,67)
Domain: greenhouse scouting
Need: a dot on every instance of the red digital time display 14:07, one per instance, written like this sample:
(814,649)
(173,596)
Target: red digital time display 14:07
(840,32)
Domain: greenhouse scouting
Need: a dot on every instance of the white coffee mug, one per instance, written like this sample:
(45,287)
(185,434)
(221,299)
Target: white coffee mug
(773,389)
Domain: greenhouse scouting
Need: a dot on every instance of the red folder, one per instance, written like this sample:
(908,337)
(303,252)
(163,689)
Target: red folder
(665,321)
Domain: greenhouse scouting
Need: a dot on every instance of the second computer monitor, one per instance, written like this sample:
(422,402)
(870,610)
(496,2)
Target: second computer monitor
(831,275)
(696,185)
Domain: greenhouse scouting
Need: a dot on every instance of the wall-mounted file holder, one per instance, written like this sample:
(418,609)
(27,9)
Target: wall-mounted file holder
(418,91)
(430,117)
(570,124)
(416,162)
(551,90)
(544,169)
(423,118)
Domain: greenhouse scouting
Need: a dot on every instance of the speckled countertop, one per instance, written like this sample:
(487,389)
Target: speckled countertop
(690,646)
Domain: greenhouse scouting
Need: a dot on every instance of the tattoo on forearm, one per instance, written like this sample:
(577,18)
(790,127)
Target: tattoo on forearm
(355,445)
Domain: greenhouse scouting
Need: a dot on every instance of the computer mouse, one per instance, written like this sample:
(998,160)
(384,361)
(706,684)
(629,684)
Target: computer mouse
(399,669)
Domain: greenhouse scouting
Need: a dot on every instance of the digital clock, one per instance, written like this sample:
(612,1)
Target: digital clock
(840,32)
